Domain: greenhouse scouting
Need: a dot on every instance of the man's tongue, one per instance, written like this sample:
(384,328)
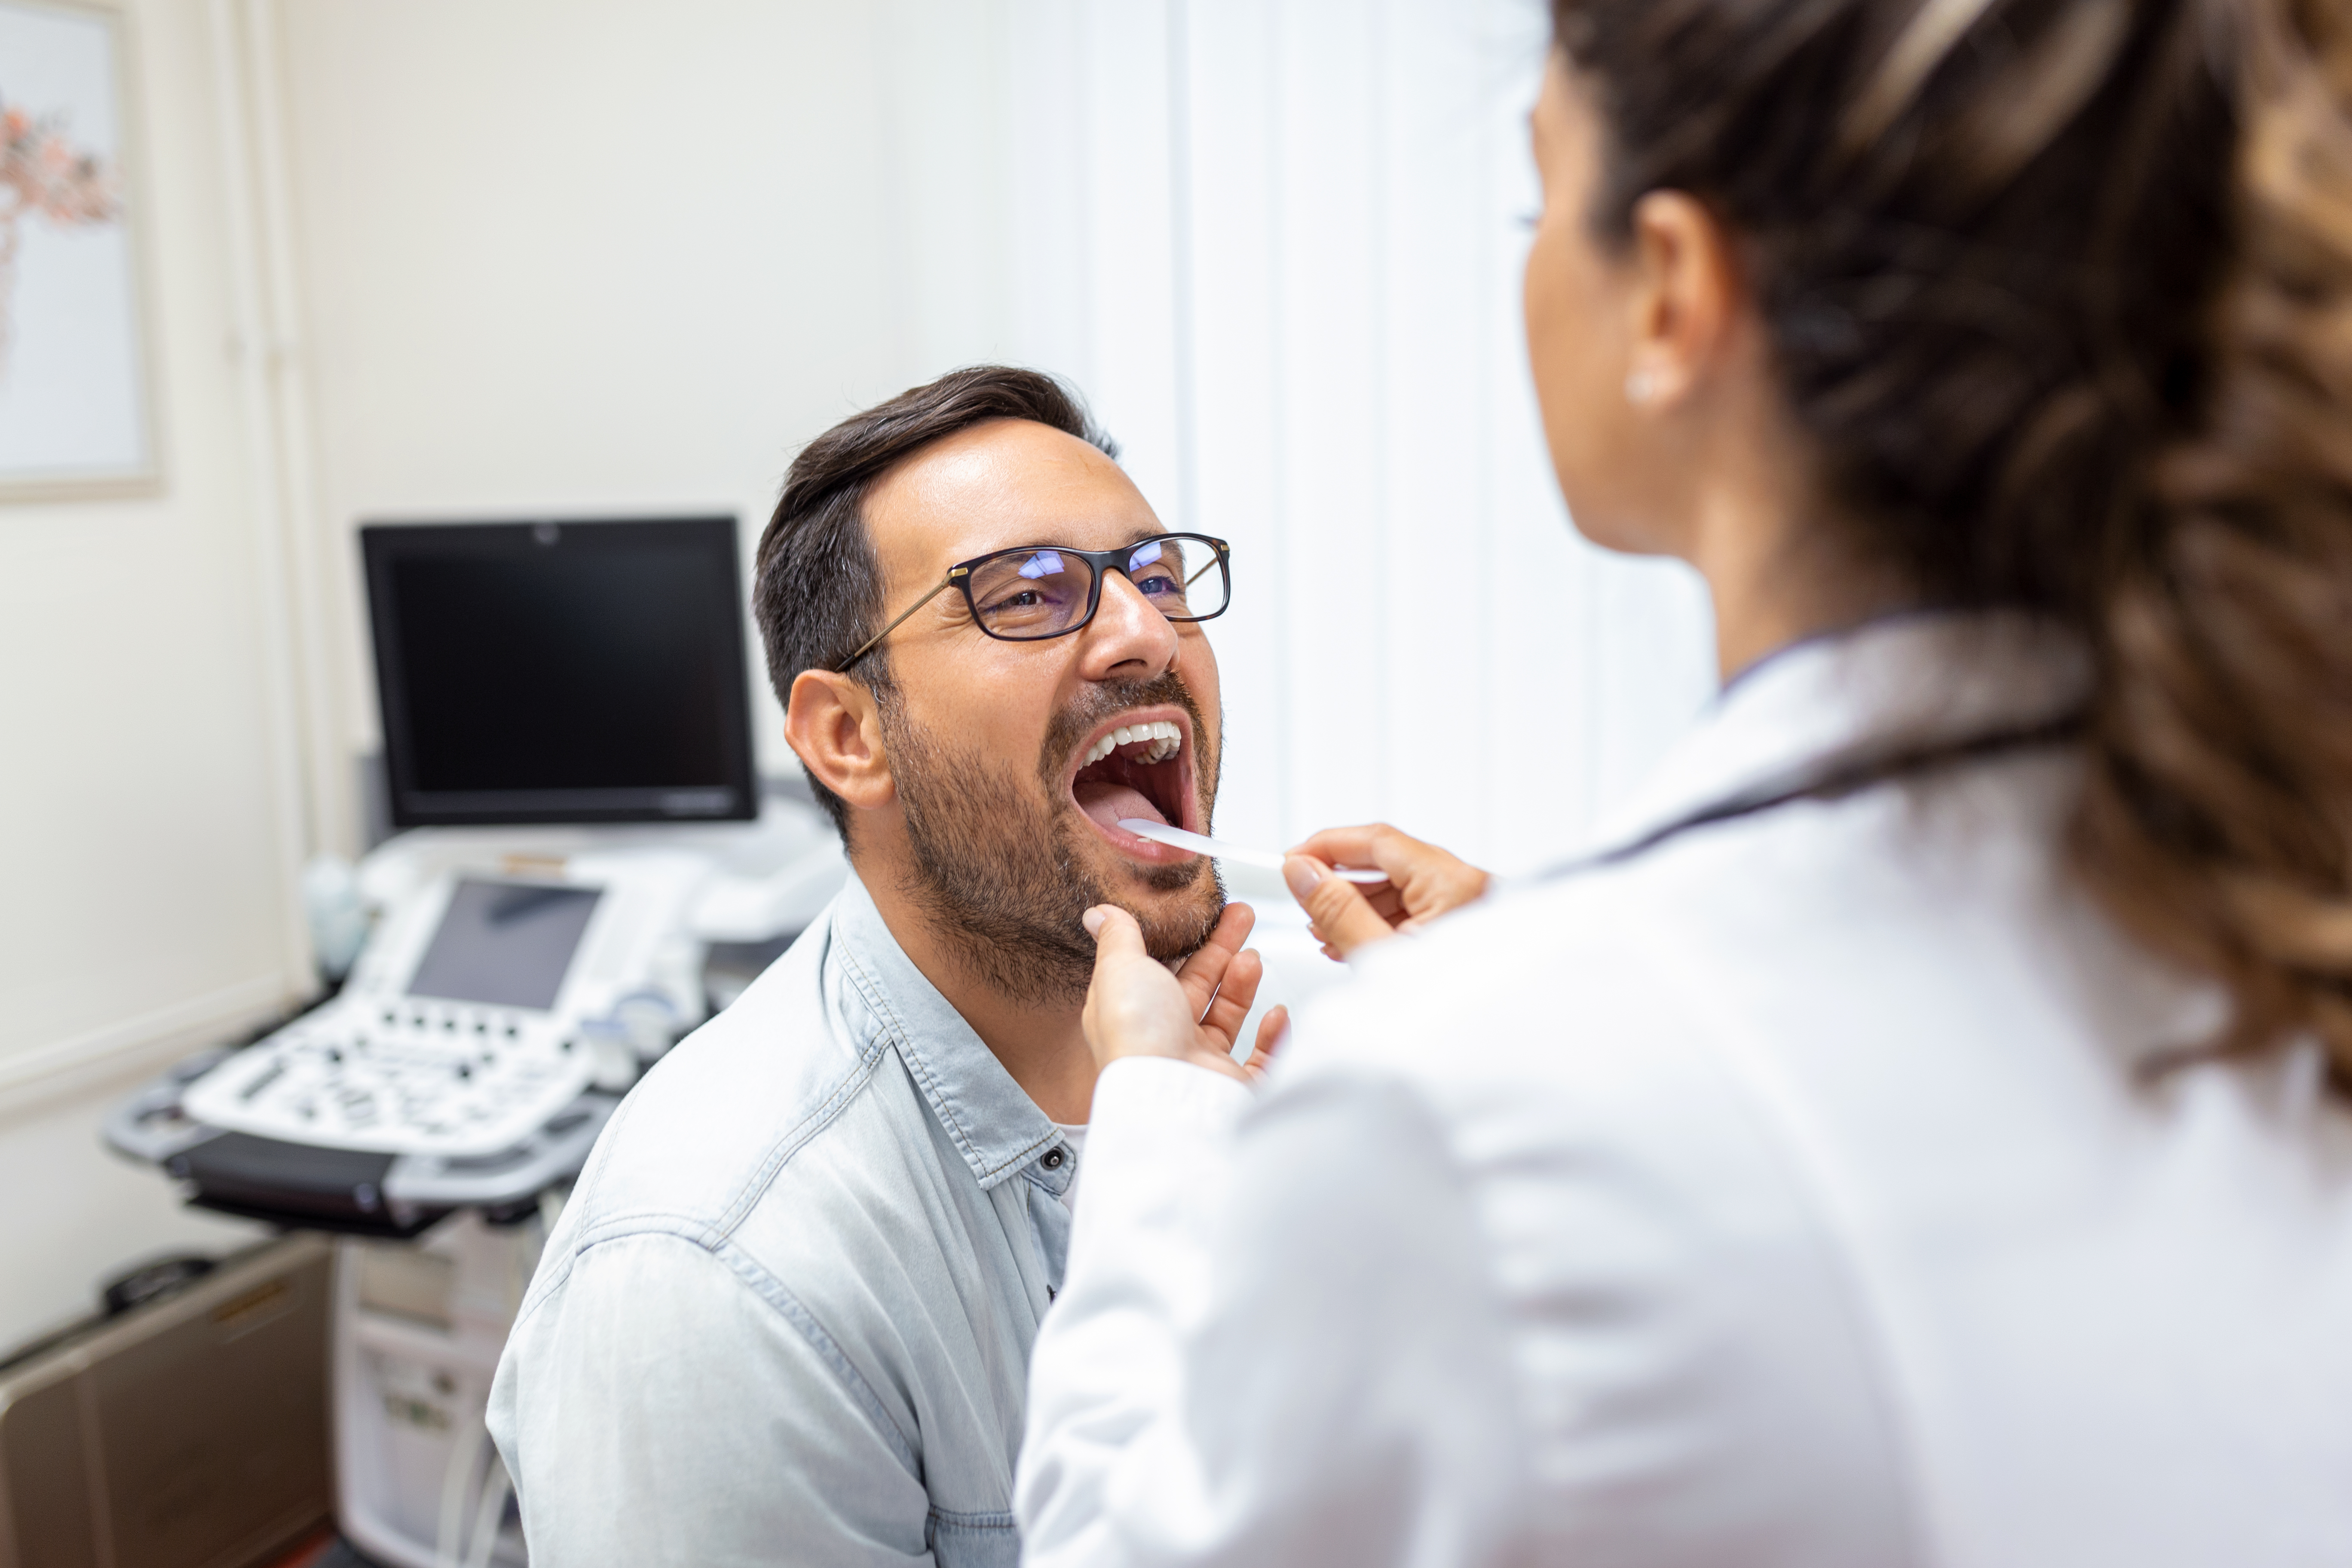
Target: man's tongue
(1107,802)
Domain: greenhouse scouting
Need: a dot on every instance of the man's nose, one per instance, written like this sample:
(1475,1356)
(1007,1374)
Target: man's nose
(1129,639)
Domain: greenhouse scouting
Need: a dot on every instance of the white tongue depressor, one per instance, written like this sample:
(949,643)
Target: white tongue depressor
(1199,844)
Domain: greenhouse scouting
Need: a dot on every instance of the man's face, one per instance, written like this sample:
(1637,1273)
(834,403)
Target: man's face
(1011,815)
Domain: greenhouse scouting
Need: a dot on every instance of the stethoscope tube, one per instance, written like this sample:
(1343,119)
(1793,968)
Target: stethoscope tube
(1841,778)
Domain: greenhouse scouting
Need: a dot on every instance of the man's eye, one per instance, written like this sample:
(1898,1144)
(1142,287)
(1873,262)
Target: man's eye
(1158,583)
(1026,599)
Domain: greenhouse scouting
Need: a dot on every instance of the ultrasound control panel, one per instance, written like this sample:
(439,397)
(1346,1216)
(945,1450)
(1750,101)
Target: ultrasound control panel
(434,1080)
(475,1015)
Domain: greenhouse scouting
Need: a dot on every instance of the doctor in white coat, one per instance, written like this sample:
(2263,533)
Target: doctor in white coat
(1927,1138)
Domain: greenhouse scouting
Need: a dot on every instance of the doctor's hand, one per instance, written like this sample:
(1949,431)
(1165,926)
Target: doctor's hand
(1135,1007)
(1423,883)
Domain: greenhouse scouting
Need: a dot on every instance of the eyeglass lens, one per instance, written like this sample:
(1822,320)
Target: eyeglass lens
(1042,593)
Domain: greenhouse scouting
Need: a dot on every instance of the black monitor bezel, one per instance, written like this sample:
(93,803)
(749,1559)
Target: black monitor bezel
(382,543)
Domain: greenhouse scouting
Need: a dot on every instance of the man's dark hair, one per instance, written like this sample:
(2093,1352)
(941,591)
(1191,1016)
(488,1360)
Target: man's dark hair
(818,592)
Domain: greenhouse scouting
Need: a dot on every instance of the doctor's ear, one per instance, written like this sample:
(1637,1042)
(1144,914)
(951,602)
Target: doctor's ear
(834,727)
(1687,293)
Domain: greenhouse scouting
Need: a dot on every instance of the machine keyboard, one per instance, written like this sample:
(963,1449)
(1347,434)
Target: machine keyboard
(416,1077)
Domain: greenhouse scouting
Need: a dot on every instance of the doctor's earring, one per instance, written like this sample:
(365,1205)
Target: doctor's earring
(1640,387)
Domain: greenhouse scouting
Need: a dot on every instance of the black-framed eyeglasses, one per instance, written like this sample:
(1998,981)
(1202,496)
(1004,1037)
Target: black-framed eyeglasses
(1032,592)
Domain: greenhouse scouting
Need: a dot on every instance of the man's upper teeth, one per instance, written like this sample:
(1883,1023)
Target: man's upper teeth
(1166,740)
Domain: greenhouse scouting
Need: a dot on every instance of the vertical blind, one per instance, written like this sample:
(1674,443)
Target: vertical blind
(1278,243)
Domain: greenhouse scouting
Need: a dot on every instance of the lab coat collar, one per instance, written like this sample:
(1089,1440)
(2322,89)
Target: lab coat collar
(1902,681)
(991,1121)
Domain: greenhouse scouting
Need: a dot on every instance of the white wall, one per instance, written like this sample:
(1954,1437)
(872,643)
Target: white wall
(1278,241)
(609,257)
(147,831)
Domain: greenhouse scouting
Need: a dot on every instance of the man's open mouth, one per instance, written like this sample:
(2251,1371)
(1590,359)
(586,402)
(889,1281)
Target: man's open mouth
(1138,766)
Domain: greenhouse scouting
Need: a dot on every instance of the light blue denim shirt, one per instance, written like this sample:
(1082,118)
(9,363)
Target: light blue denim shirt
(786,1316)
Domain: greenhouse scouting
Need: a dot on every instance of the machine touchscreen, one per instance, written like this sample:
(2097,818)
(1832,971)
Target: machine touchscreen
(504,945)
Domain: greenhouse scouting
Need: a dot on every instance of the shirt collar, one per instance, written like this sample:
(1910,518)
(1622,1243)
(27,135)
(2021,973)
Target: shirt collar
(994,1124)
(1897,681)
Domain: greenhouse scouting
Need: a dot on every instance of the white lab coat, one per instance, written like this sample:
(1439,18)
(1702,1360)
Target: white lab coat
(1790,1194)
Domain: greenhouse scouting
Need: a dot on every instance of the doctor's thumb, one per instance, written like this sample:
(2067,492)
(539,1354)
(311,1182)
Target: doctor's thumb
(1113,931)
(1343,920)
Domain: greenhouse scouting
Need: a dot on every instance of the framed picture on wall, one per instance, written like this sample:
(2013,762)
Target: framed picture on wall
(77,411)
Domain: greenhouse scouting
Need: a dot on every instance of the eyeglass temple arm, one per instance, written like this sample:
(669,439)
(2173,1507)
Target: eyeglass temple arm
(843,668)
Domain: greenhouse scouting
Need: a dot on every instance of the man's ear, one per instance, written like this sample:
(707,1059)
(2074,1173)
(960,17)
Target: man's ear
(833,726)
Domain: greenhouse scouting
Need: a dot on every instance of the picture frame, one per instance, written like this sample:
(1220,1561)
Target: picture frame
(78,404)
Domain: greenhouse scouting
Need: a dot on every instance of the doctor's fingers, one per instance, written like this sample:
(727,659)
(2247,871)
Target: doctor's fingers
(1236,995)
(1373,844)
(1429,880)
(1206,972)
(1272,1030)
(1343,920)
(1134,1007)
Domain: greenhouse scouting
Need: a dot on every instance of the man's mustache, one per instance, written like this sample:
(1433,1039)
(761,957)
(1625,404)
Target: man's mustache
(1106,700)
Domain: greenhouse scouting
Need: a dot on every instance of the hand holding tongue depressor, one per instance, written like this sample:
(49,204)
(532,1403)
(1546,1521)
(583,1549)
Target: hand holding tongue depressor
(1425,883)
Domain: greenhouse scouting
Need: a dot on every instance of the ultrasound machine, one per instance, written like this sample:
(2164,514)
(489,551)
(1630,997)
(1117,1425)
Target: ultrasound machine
(567,746)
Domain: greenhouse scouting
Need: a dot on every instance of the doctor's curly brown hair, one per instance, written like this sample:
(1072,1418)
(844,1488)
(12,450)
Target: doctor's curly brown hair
(2063,291)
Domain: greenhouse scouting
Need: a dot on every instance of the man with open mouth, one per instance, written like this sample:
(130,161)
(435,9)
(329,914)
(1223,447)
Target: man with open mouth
(786,1316)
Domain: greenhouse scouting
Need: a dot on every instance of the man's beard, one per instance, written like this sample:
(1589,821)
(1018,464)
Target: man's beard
(999,870)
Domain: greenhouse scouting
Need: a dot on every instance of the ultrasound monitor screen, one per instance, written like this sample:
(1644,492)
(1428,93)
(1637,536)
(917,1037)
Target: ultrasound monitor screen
(504,945)
(570,672)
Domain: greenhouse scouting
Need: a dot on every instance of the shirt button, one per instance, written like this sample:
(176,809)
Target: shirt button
(1053,1160)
